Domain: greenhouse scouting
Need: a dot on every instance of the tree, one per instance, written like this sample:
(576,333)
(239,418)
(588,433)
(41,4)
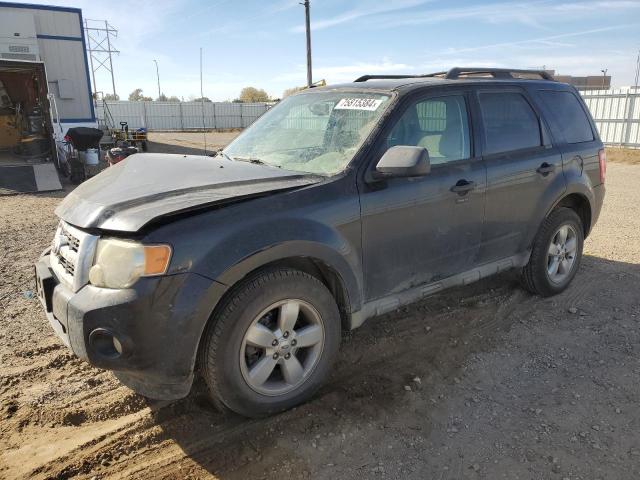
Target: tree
(202,99)
(253,95)
(162,98)
(111,96)
(173,99)
(137,96)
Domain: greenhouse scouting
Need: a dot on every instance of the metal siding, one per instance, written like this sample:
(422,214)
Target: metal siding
(617,115)
(185,115)
(65,59)
(52,22)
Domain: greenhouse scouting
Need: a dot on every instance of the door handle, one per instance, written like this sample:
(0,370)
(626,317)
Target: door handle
(545,169)
(463,186)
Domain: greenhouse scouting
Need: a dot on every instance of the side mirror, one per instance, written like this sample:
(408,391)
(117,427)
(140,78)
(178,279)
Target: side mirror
(403,161)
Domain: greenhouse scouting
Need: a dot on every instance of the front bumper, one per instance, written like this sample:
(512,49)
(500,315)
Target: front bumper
(156,324)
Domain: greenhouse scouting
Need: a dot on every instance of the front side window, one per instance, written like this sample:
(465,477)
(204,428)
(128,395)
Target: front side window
(569,115)
(315,132)
(441,125)
(509,122)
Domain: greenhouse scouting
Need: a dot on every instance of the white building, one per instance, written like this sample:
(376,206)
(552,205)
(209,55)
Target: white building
(44,90)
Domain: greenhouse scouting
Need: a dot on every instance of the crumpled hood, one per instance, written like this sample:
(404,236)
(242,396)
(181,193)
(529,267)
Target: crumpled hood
(146,186)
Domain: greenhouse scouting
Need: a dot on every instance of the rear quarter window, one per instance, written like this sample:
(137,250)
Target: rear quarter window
(569,115)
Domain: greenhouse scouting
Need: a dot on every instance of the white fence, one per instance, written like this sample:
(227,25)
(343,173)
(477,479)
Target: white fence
(180,115)
(616,112)
(617,115)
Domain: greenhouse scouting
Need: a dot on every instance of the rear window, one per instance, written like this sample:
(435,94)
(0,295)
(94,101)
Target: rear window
(570,117)
(509,122)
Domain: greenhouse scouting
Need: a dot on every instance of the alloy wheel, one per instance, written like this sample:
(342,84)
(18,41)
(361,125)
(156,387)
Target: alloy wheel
(561,256)
(281,347)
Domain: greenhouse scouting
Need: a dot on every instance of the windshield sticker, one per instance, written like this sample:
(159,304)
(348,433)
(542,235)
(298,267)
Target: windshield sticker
(358,104)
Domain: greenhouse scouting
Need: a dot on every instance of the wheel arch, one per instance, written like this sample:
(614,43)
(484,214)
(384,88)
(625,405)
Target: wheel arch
(320,262)
(579,203)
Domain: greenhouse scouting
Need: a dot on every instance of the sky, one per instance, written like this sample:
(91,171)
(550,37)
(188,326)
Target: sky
(262,43)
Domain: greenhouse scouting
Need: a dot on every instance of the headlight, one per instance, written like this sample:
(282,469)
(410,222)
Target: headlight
(120,263)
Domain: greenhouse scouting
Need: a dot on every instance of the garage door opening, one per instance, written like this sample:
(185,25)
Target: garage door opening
(27,149)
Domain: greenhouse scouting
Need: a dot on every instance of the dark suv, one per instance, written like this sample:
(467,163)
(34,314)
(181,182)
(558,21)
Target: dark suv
(339,204)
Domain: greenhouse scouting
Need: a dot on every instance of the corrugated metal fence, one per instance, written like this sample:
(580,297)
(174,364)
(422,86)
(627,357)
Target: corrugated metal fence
(181,115)
(616,112)
(617,115)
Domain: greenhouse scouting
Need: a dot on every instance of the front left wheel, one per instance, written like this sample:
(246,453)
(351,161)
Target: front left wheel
(273,343)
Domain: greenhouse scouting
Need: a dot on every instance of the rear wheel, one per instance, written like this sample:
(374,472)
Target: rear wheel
(556,253)
(273,343)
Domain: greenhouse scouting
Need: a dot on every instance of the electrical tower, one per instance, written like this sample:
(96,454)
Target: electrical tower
(100,48)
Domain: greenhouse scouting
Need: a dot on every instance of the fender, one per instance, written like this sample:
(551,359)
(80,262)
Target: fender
(575,184)
(312,250)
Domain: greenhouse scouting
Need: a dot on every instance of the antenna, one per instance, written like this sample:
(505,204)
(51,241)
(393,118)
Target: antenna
(204,132)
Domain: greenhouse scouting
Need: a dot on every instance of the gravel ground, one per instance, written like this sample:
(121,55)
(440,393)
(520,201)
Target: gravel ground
(482,382)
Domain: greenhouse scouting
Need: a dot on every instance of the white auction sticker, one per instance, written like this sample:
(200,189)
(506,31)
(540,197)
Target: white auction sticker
(358,104)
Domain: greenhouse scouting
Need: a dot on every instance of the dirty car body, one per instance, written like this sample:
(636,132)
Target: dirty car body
(463,198)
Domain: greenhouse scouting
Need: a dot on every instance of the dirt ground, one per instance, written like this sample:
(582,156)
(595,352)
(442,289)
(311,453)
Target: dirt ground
(482,382)
(190,143)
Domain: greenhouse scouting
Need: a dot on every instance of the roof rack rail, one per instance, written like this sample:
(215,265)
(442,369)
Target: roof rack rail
(458,72)
(364,78)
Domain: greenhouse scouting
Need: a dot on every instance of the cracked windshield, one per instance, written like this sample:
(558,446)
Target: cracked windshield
(317,132)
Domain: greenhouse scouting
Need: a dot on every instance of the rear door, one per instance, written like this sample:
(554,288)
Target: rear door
(523,168)
(419,230)
(576,135)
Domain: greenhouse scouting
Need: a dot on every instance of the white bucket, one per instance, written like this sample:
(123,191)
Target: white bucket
(91,156)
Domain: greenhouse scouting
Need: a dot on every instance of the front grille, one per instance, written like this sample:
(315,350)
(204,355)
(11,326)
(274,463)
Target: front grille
(69,267)
(72,241)
(72,253)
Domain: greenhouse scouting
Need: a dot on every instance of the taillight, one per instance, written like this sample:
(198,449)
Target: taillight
(602,160)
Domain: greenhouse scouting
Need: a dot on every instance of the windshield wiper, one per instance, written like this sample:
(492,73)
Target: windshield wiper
(257,161)
(221,152)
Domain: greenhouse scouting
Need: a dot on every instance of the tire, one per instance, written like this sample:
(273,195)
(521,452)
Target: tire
(265,304)
(537,276)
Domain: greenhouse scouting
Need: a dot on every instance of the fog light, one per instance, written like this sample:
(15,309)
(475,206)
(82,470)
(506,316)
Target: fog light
(105,343)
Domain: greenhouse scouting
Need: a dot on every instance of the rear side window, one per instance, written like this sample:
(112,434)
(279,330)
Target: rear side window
(509,122)
(569,115)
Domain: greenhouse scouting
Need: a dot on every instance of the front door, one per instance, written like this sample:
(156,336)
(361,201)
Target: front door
(420,230)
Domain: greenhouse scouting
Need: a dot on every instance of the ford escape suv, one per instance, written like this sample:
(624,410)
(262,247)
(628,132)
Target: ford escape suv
(339,204)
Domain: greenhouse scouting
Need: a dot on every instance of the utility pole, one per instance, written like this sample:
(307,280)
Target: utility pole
(157,75)
(307,17)
(604,76)
(100,49)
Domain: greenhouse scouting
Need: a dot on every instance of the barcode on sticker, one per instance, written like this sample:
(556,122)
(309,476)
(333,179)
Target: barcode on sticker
(358,104)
